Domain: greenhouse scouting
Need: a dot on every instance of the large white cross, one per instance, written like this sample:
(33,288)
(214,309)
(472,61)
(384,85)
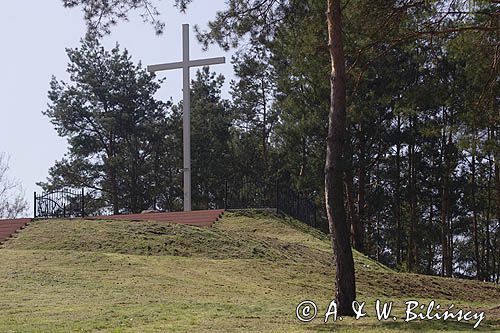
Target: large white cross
(186,64)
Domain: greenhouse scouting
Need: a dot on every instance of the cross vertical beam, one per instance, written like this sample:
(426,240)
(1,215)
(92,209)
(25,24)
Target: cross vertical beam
(186,64)
(186,118)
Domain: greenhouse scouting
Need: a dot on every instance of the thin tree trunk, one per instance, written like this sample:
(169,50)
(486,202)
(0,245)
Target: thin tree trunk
(114,192)
(411,183)
(497,185)
(474,217)
(377,233)
(335,164)
(397,201)
(487,270)
(361,195)
(303,167)
(430,257)
(444,225)
(450,240)
(353,214)
(445,230)
(413,211)
(357,229)
(496,256)
(113,177)
(264,128)
(431,241)
(450,211)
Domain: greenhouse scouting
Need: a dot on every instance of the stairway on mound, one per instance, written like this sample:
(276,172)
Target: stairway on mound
(199,218)
(10,227)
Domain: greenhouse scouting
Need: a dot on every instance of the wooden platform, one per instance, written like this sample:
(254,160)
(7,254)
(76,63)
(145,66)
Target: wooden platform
(199,218)
(10,227)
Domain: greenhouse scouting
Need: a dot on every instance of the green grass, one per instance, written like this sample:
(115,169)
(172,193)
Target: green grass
(246,274)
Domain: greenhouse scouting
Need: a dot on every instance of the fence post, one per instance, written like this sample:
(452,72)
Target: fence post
(34,207)
(65,200)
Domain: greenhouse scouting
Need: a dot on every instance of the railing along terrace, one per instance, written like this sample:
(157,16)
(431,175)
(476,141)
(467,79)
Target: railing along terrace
(236,194)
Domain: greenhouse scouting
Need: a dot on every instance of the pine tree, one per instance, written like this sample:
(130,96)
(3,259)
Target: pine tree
(114,126)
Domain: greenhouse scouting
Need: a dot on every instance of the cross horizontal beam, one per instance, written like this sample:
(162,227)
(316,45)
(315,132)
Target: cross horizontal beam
(191,63)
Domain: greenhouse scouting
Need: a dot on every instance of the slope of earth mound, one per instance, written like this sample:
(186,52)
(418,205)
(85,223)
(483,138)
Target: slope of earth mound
(246,273)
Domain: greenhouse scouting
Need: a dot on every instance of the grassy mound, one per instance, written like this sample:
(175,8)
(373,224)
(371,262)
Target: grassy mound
(247,273)
(233,239)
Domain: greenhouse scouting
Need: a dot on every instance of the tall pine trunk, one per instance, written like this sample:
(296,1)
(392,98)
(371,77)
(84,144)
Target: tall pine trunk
(335,165)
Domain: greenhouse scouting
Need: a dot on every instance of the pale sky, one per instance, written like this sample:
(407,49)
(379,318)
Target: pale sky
(33,38)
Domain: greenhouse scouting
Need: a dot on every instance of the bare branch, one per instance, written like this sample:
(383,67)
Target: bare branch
(12,202)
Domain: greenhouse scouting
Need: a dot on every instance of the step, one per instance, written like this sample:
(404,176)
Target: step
(6,229)
(197,218)
(13,222)
(169,214)
(10,227)
(193,221)
(180,218)
(162,218)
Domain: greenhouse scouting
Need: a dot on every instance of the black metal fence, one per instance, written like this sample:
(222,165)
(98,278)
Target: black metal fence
(249,194)
(260,194)
(62,203)
(300,207)
(241,194)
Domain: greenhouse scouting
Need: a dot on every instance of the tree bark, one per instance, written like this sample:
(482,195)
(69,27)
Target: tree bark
(335,164)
